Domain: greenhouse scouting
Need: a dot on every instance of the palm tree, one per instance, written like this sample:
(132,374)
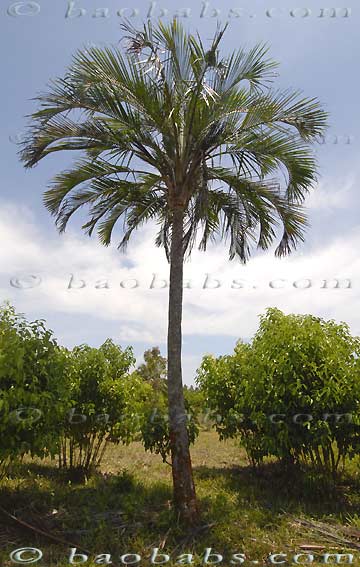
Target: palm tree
(171,132)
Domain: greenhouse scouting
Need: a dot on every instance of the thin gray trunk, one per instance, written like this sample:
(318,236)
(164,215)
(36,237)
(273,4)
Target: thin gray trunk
(183,483)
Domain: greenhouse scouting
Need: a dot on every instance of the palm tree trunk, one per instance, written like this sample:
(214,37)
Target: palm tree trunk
(183,483)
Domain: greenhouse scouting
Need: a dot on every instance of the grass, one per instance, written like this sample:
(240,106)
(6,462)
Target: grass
(126,508)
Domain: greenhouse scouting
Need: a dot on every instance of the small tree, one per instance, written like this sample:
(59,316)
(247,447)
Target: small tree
(155,429)
(223,383)
(33,388)
(307,371)
(106,402)
(294,392)
(153,370)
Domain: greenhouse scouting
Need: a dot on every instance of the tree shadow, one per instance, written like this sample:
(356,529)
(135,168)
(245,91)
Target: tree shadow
(104,515)
(291,490)
(116,513)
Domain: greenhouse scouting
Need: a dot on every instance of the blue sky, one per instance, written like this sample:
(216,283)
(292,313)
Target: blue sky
(317,54)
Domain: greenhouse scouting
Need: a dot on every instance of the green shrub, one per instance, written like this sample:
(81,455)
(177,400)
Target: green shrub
(106,401)
(154,422)
(33,388)
(296,365)
(155,425)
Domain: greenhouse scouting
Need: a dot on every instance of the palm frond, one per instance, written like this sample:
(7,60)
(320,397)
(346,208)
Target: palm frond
(169,120)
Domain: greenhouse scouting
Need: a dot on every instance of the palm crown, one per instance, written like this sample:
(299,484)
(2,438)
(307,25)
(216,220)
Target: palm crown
(168,124)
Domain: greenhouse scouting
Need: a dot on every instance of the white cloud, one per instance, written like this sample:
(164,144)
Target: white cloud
(142,312)
(329,195)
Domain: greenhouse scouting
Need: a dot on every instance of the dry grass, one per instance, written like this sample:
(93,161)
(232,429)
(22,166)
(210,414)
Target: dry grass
(127,507)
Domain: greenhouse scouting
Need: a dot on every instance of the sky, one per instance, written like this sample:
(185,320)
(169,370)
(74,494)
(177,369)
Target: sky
(87,293)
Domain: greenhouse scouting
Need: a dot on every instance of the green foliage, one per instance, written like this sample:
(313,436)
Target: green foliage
(296,365)
(106,401)
(33,387)
(154,420)
(158,122)
(154,369)
(195,399)
(155,425)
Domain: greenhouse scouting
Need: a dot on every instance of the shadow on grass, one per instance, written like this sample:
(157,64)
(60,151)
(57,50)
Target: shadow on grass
(271,487)
(115,513)
(106,514)
(255,509)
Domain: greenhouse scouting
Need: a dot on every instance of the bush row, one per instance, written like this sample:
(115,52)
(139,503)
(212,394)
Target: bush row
(70,404)
(292,393)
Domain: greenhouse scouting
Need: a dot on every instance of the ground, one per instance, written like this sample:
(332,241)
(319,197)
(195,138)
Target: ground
(127,509)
